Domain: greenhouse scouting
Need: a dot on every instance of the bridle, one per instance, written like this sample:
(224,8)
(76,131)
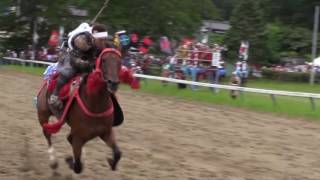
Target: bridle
(99,61)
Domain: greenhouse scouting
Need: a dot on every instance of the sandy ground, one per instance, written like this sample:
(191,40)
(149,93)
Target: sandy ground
(161,139)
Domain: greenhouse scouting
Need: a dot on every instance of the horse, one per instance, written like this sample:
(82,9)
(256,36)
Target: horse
(91,110)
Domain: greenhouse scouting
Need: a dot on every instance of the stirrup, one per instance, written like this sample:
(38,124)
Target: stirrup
(55,101)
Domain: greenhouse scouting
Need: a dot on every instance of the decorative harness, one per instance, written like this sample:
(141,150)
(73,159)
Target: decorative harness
(55,127)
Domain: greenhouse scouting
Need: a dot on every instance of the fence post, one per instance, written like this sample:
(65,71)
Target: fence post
(313,104)
(274,101)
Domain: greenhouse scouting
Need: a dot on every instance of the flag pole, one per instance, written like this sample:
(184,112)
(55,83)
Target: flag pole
(105,4)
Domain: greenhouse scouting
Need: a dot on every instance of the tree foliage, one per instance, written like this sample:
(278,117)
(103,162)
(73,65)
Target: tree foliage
(272,27)
(173,18)
(248,25)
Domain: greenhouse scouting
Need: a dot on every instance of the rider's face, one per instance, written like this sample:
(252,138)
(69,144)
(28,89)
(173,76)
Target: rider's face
(100,43)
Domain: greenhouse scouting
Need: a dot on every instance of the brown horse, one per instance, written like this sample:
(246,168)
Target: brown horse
(91,114)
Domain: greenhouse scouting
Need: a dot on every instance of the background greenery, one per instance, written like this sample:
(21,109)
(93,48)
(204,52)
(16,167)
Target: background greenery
(274,28)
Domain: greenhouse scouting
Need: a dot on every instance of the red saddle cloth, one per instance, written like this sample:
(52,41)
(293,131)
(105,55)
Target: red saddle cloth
(64,91)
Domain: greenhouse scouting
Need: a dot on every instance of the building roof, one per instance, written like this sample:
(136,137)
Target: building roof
(216,26)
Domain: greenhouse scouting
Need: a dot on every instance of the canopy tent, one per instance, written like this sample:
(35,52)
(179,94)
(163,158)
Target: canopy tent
(316,61)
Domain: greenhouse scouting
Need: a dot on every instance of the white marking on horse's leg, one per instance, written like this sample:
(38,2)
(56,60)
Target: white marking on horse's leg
(51,153)
(53,162)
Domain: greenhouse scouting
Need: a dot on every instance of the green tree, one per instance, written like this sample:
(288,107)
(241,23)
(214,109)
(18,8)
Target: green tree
(297,40)
(225,7)
(247,24)
(275,33)
(44,13)
(173,18)
(289,12)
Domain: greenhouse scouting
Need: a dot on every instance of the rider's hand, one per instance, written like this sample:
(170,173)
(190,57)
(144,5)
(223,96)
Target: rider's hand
(82,63)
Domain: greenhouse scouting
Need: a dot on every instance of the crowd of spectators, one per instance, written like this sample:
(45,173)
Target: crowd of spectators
(42,54)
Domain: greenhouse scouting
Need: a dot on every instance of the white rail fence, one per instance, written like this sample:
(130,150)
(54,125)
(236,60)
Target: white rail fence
(272,93)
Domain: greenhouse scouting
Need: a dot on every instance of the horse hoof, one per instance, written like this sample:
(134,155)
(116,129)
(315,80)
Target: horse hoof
(54,165)
(77,168)
(112,164)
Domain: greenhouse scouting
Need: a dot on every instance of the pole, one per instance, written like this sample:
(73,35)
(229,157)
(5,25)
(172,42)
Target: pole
(100,11)
(314,42)
(18,12)
(35,37)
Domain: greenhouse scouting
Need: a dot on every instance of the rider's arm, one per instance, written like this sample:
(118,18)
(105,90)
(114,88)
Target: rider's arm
(79,63)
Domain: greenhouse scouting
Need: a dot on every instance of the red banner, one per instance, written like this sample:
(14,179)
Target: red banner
(54,38)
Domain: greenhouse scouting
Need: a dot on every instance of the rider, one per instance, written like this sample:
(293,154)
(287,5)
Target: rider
(85,43)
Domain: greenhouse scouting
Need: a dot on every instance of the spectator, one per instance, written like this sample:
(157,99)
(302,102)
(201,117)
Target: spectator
(51,55)
(22,55)
(42,54)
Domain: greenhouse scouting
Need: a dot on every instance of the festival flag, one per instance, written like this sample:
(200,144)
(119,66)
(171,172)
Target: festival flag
(244,50)
(54,38)
(165,45)
(134,40)
(146,43)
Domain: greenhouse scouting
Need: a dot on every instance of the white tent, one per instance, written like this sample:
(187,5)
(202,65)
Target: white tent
(316,61)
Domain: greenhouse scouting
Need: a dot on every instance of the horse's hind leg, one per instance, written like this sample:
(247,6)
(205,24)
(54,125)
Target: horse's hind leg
(109,139)
(75,163)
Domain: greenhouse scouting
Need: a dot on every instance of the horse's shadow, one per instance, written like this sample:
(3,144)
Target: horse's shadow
(58,176)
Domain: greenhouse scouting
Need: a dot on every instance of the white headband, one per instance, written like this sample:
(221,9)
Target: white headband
(100,35)
(121,32)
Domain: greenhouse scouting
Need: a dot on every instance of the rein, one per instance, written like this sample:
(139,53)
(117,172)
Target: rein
(106,50)
(87,112)
(55,127)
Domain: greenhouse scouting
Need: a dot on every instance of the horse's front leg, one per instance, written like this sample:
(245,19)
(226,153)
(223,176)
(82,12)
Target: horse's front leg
(75,163)
(109,139)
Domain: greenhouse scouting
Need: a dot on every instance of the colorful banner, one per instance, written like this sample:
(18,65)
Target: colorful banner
(54,38)
(165,45)
(244,50)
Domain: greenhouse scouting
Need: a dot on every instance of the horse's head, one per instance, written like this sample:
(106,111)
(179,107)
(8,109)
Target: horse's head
(110,66)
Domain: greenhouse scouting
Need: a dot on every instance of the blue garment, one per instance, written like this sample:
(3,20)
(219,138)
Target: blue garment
(194,71)
(52,69)
(242,74)
(222,72)
(126,61)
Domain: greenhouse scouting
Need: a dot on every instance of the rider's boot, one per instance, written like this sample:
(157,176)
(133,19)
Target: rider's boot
(54,99)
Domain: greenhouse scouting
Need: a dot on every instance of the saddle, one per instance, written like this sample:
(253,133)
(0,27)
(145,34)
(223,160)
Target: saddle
(65,91)
(68,89)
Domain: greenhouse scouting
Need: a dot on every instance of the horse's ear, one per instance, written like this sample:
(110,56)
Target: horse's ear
(109,44)
(124,51)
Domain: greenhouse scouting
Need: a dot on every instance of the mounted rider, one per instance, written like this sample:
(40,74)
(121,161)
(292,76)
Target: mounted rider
(84,45)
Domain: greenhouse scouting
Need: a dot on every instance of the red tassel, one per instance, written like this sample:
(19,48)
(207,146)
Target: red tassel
(125,75)
(135,84)
(53,128)
(94,83)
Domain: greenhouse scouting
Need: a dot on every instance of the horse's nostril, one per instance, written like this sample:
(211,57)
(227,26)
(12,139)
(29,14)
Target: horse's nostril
(113,83)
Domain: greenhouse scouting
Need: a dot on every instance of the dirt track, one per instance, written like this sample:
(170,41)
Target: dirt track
(161,139)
